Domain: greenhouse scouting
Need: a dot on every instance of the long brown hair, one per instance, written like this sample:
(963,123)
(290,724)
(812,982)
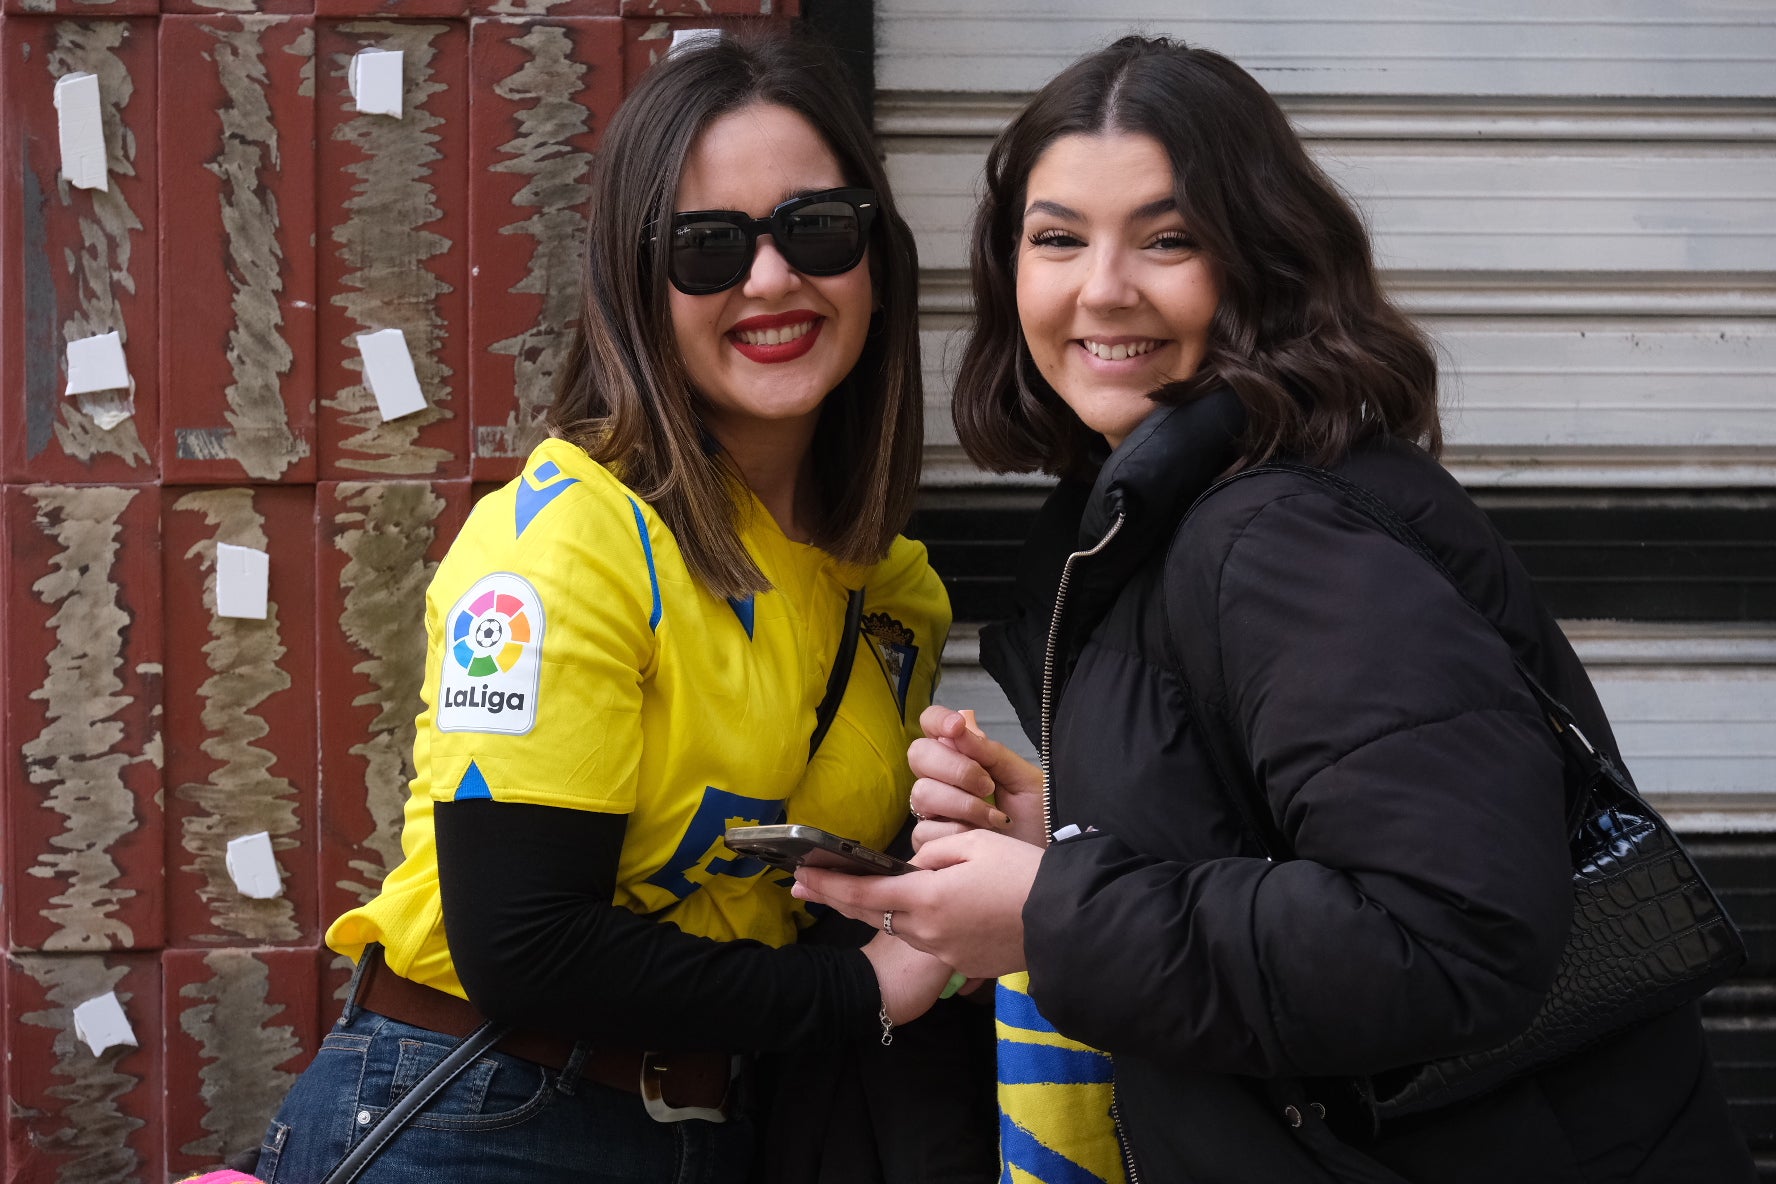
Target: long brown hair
(1303,334)
(624,395)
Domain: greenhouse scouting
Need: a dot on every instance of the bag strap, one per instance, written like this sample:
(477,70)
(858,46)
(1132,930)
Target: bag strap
(1559,717)
(841,671)
(436,1080)
(1235,768)
(1383,515)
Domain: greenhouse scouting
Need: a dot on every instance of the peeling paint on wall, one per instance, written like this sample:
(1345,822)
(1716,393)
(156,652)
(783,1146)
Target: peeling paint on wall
(341,968)
(258,353)
(304,48)
(41,345)
(102,266)
(90,1145)
(241,1049)
(242,795)
(558,191)
(203,443)
(79,756)
(384,241)
(525,7)
(386,536)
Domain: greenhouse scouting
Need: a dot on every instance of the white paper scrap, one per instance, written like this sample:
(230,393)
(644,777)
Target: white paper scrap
(388,372)
(375,81)
(107,409)
(243,577)
(96,364)
(100,1024)
(691,38)
(253,868)
(80,125)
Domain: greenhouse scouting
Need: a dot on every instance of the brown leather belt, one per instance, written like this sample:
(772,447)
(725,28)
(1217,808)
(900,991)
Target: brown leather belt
(669,1083)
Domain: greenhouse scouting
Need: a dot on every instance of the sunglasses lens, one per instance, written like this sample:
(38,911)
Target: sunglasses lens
(823,239)
(818,235)
(708,256)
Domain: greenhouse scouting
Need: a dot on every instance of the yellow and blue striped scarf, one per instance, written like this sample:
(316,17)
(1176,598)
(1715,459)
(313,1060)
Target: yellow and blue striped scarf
(1054,1099)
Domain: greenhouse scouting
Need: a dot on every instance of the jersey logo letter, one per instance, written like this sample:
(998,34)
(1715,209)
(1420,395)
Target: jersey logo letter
(493,658)
(701,849)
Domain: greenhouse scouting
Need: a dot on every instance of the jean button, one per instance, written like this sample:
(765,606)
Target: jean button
(363,1118)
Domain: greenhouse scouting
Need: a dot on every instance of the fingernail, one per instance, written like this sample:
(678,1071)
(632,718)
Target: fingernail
(957,978)
(796,890)
(999,817)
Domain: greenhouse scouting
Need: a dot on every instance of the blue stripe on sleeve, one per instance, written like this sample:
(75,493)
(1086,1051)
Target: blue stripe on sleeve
(647,548)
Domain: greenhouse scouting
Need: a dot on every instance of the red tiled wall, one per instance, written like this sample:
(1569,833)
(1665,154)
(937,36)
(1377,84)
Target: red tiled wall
(255,224)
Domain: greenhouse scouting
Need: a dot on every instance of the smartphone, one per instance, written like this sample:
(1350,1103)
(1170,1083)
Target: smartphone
(791,846)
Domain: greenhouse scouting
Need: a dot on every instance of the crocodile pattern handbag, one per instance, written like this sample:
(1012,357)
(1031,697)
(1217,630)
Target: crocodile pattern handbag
(1648,933)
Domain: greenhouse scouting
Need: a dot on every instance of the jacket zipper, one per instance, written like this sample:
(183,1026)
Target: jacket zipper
(1048,674)
(1128,1156)
(1048,689)
(1048,826)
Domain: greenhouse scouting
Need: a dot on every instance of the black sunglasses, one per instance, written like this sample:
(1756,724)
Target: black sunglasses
(821,233)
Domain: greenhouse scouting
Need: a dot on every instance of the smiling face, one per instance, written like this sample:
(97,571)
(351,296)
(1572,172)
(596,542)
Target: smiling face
(1114,296)
(765,353)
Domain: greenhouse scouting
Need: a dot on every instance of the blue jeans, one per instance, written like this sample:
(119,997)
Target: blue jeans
(503,1121)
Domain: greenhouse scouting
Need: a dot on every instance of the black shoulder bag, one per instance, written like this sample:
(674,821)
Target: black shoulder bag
(1648,933)
(470,1047)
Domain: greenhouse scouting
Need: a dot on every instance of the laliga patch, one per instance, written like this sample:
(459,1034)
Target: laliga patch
(493,658)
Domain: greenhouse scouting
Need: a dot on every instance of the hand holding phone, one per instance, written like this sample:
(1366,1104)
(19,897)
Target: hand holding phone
(792,845)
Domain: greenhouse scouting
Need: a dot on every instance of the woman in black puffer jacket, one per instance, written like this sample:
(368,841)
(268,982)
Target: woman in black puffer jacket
(1161,275)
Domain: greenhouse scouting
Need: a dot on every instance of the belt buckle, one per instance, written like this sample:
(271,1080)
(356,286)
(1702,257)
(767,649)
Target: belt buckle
(654,1099)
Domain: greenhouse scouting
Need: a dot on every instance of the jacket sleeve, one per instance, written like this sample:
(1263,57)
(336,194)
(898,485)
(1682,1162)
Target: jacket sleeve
(1429,897)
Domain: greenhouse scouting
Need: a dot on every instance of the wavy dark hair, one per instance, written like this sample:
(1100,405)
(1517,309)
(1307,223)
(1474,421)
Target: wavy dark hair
(624,395)
(1303,334)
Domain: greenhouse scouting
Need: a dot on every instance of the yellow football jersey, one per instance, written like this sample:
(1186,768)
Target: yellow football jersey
(573,661)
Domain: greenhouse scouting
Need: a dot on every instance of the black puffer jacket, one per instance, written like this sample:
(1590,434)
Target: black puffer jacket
(1412,774)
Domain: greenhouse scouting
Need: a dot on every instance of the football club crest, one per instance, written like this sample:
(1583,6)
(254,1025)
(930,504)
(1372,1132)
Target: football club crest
(895,652)
(493,658)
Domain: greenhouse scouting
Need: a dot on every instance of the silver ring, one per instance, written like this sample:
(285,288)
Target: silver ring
(920,817)
(888,922)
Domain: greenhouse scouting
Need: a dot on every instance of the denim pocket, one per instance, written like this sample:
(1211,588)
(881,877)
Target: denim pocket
(466,1095)
(496,1091)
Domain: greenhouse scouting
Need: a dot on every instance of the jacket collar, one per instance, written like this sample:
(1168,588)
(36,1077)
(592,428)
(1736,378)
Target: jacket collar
(1166,463)
(1153,477)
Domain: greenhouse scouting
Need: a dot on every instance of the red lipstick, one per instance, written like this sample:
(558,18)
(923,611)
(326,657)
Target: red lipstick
(784,351)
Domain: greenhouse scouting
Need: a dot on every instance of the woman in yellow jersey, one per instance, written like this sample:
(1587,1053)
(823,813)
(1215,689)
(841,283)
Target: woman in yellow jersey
(627,649)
